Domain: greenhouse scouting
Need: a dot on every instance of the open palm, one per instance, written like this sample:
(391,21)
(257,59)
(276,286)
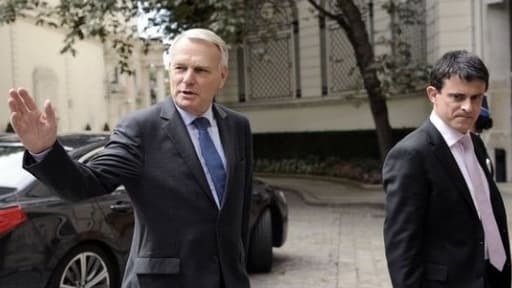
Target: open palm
(37,129)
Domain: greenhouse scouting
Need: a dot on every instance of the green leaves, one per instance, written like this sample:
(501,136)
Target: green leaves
(116,21)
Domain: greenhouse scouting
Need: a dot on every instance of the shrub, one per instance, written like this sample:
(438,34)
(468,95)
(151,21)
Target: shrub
(362,170)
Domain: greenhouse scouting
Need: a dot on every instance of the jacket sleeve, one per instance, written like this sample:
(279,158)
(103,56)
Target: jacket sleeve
(406,189)
(119,163)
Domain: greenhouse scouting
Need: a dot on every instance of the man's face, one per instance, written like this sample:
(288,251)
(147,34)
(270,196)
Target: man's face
(196,74)
(458,103)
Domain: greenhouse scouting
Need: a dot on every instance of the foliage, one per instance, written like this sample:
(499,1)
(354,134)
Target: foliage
(115,22)
(362,170)
(398,71)
(382,76)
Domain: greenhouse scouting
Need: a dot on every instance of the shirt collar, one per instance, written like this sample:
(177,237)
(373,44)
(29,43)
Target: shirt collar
(189,117)
(450,135)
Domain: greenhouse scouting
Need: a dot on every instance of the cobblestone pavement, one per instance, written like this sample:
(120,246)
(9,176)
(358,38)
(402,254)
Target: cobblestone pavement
(329,247)
(335,246)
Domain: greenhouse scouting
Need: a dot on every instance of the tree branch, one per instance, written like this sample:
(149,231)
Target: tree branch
(323,12)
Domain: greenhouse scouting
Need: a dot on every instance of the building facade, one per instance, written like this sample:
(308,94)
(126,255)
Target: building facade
(302,80)
(305,80)
(87,89)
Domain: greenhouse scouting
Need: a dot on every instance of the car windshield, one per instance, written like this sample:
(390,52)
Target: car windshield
(12,174)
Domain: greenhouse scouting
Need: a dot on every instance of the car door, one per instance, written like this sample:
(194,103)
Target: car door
(117,210)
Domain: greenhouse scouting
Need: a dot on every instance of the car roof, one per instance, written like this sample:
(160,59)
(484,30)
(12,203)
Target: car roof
(77,140)
(77,145)
(70,141)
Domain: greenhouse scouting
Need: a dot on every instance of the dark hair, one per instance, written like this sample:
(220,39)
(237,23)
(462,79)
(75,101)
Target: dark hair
(461,63)
(483,123)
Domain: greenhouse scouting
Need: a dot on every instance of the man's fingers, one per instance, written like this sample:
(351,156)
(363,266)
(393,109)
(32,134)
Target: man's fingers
(49,112)
(15,102)
(12,105)
(15,119)
(27,99)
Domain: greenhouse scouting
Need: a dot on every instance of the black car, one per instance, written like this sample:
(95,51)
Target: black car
(49,242)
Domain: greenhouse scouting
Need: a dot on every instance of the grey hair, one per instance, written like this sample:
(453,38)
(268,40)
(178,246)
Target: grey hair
(205,35)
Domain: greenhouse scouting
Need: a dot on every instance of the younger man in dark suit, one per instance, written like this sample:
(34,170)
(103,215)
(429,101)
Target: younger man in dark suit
(186,164)
(445,220)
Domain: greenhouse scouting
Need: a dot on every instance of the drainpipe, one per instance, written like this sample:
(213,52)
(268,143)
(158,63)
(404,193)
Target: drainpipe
(477,41)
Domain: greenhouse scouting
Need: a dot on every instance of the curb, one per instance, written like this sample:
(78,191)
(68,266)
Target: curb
(322,178)
(311,199)
(308,200)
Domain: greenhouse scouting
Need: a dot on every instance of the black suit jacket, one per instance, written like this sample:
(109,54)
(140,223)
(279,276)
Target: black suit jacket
(433,235)
(181,238)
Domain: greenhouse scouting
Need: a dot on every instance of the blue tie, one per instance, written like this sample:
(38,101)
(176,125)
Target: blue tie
(211,156)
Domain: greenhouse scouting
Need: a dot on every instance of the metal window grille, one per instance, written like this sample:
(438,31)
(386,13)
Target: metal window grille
(415,34)
(269,60)
(269,69)
(343,72)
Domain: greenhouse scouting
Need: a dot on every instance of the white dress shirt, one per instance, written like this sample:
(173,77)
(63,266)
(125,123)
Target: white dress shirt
(452,138)
(213,130)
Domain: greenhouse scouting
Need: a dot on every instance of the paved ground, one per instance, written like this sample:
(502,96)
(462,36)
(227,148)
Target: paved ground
(329,247)
(335,236)
(331,242)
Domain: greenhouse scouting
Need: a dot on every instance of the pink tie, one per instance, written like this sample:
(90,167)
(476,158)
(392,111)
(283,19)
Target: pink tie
(495,247)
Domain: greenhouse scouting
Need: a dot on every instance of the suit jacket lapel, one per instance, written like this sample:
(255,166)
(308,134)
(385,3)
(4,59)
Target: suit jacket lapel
(227,138)
(178,133)
(442,152)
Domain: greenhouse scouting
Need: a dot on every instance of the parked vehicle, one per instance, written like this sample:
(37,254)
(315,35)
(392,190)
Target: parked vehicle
(49,242)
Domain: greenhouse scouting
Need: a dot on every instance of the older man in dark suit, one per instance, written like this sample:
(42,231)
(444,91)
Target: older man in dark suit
(186,164)
(445,220)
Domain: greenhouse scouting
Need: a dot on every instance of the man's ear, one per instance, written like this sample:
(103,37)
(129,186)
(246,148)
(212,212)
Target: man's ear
(224,71)
(431,93)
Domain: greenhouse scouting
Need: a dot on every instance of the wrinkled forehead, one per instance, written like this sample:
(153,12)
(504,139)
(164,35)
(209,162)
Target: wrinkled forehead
(184,50)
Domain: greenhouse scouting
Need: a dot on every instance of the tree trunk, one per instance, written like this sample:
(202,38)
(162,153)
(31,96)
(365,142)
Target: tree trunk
(355,29)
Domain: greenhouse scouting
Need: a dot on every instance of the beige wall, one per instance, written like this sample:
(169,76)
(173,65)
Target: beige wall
(309,43)
(314,112)
(79,87)
(484,30)
(496,51)
(85,92)
(6,73)
(332,114)
(30,57)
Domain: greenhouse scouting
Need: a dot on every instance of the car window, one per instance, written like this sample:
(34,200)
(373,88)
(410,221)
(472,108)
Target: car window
(6,190)
(12,174)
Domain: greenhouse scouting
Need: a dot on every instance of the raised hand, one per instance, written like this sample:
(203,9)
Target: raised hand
(36,129)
